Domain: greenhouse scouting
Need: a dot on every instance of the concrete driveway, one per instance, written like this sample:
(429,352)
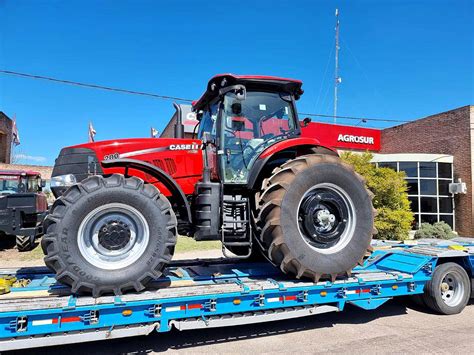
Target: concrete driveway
(394,328)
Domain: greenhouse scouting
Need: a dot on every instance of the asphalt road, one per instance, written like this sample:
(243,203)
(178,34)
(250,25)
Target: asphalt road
(396,327)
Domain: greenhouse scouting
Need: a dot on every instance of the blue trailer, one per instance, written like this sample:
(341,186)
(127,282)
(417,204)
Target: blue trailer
(37,311)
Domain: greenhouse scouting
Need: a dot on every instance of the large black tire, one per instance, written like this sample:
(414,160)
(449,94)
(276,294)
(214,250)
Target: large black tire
(130,214)
(25,242)
(279,219)
(452,280)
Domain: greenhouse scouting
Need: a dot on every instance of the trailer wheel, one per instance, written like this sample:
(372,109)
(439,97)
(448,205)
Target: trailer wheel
(315,217)
(109,235)
(449,289)
(25,242)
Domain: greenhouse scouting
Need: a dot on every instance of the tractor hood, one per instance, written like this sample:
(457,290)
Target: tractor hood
(145,149)
(179,158)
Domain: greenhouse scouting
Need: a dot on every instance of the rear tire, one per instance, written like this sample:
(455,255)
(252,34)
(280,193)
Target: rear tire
(25,242)
(109,235)
(315,217)
(449,289)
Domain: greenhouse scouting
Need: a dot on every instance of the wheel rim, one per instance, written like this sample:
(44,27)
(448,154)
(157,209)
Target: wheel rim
(113,236)
(326,218)
(452,290)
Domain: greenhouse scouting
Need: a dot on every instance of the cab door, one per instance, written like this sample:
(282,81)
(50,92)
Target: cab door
(208,132)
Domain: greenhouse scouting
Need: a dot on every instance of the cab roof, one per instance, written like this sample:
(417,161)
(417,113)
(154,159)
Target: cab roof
(272,83)
(19,172)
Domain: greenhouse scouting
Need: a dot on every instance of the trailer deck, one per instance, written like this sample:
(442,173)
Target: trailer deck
(211,293)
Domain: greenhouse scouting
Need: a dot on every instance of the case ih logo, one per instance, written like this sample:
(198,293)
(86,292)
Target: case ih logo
(193,146)
(349,138)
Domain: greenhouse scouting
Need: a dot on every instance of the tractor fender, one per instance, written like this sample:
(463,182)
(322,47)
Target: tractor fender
(175,190)
(278,151)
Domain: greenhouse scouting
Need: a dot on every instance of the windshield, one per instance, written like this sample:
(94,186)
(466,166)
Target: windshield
(251,125)
(11,184)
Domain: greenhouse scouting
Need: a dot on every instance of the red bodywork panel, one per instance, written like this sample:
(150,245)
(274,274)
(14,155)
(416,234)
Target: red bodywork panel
(344,137)
(180,158)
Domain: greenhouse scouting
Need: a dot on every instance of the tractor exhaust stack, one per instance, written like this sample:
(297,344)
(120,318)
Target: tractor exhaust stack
(178,127)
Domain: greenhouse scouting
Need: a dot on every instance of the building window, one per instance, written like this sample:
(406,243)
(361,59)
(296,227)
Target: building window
(410,168)
(428,190)
(388,165)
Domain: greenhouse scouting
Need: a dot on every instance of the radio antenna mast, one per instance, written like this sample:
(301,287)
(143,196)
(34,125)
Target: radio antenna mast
(337,79)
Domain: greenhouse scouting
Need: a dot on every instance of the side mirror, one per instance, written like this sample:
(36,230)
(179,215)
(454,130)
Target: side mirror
(306,121)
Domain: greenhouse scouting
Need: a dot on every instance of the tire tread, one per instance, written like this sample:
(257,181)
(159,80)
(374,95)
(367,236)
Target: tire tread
(268,205)
(50,246)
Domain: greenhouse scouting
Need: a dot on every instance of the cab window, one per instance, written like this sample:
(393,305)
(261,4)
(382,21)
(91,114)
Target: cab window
(208,121)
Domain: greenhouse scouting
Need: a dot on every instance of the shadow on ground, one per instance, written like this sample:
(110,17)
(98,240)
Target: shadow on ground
(6,242)
(159,342)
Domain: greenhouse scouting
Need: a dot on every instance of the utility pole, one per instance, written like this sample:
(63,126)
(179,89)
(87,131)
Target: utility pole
(337,79)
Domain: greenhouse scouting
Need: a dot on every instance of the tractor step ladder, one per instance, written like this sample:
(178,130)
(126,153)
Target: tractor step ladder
(236,227)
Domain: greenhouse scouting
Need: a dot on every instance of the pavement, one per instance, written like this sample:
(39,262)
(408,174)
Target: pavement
(396,327)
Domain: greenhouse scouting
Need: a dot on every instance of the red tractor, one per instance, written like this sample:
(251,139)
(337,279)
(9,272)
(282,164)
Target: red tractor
(249,179)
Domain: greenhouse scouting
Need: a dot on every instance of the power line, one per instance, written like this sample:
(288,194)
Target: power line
(323,79)
(94,86)
(354,118)
(164,97)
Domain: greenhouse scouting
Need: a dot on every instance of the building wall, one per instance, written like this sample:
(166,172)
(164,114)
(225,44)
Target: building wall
(444,133)
(471,119)
(5,138)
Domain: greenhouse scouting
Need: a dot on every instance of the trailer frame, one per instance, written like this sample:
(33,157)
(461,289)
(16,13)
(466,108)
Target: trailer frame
(212,293)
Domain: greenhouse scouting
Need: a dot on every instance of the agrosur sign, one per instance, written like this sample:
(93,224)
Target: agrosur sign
(349,138)
(344,137)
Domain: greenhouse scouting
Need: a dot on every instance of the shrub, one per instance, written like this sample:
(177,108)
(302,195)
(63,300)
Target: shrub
(394,217)
(440,230)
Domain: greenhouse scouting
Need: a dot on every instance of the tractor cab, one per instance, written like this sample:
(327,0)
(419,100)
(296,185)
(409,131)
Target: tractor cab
(240,116)
(12,182)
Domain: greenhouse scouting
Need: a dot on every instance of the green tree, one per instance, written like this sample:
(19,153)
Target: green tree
(394,217)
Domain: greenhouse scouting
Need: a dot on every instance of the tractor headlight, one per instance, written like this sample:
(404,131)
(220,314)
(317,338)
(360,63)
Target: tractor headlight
(63,180)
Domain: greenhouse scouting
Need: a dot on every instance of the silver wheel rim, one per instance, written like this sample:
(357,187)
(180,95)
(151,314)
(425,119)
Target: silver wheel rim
(115,216)
(350,220)
(452,289)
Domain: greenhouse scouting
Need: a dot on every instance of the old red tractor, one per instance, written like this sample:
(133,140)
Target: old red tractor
(249,179)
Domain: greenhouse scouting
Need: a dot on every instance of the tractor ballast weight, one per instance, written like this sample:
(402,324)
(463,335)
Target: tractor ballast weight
(250,179)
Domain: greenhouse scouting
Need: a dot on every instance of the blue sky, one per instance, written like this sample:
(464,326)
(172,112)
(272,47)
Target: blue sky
(399,59)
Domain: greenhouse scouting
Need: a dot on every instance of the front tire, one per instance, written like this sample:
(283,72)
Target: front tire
(109,235)
(315,217)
